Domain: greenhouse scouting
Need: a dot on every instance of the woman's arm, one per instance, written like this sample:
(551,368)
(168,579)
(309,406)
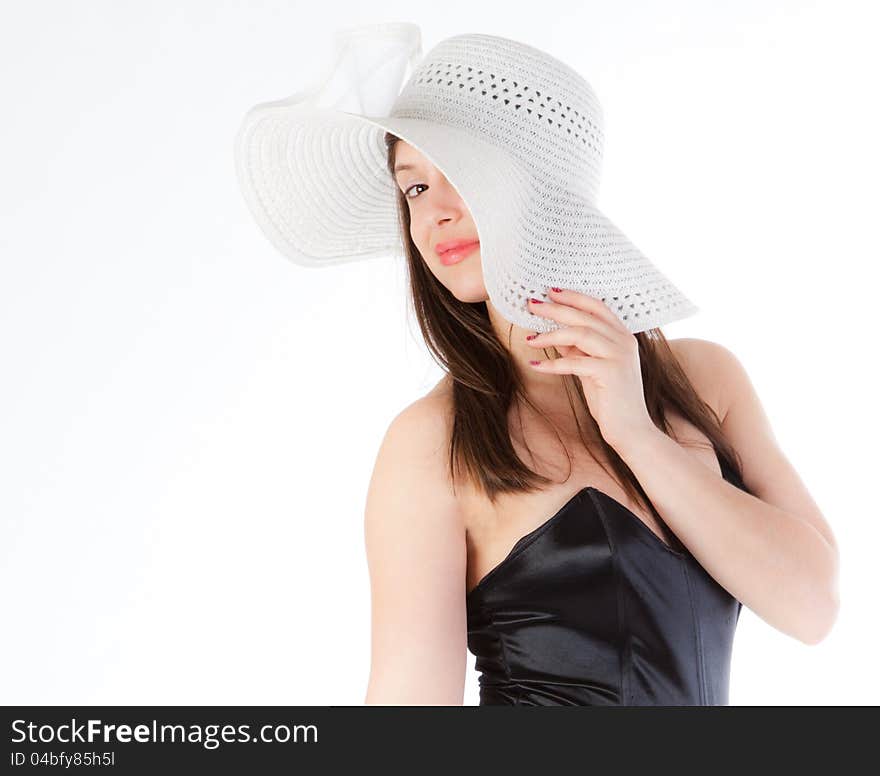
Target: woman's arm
(773,550)
(417,558)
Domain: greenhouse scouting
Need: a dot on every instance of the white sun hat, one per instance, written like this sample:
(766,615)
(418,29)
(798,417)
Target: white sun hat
(518,134)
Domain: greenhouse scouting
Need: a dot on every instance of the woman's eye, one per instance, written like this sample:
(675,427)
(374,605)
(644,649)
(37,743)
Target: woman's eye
(415,185)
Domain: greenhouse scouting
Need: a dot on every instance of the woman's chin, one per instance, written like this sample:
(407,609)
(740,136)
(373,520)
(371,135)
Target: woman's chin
(463,280)
(469,292)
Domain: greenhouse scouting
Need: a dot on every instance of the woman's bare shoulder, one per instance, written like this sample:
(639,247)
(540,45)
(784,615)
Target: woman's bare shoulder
(427,422)
(699,360)
(435,407)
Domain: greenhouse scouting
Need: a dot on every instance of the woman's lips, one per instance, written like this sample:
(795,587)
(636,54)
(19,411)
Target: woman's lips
(455,255)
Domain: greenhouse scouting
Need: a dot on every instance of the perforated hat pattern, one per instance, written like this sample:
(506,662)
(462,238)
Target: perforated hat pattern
(517,132)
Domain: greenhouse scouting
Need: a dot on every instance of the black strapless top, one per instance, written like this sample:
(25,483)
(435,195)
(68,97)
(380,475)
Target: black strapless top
(593,608)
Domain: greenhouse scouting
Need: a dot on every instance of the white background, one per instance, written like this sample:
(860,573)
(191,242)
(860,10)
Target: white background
(188,421)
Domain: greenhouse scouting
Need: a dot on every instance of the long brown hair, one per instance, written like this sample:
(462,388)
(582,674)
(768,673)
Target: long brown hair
(485,384)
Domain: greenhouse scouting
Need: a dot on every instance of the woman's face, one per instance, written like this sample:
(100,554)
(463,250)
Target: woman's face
(438,217)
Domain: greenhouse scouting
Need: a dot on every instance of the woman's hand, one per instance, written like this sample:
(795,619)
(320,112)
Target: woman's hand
(604,354)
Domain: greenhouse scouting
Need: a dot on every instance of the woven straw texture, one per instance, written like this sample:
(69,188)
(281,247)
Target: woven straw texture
(517,132)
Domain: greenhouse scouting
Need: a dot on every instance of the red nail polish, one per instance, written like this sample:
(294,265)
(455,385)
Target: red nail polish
(534,363)
(536,301)
(557,290)
(531,336)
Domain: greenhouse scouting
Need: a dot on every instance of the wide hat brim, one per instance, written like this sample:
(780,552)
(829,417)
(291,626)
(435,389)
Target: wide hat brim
(316,181)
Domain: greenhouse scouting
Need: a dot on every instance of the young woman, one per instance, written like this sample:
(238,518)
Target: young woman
(589,526)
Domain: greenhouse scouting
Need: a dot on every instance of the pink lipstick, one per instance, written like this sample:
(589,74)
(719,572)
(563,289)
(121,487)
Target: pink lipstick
(455,251)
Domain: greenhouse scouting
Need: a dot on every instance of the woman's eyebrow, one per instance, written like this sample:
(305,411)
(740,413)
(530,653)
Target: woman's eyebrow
(403,166)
